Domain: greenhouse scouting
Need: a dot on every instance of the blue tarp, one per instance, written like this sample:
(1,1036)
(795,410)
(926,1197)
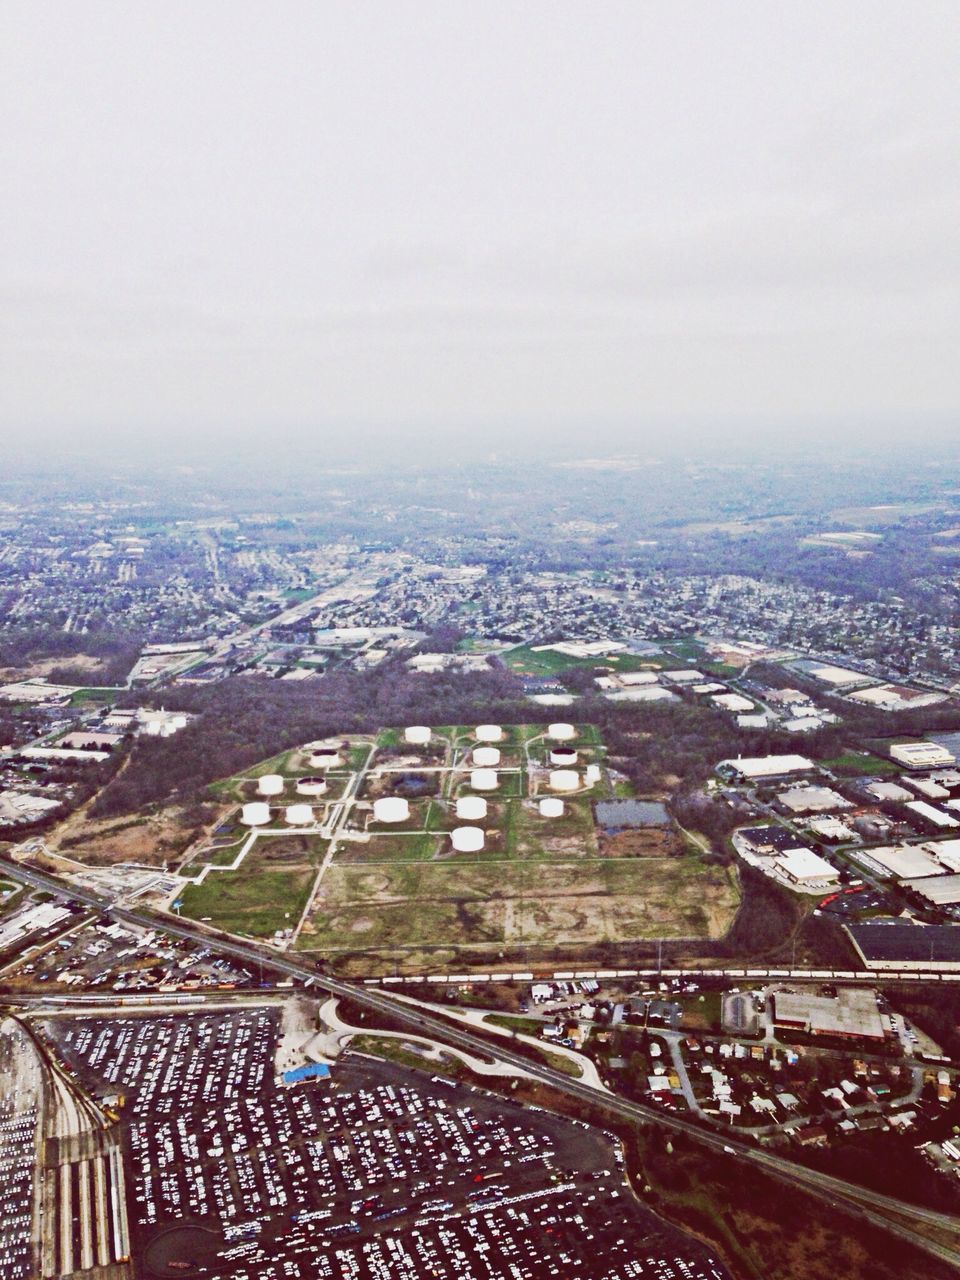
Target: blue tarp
(313,1071)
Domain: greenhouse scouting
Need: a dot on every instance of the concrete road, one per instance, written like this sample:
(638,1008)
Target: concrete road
(867,1204)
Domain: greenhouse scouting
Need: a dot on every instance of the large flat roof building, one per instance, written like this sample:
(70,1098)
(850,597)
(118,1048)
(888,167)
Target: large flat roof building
(939,891)
(851,1013)
(921,755)
(812,800)
(905,861)
(751,768)
(931,816)
(906,946)
(803,866)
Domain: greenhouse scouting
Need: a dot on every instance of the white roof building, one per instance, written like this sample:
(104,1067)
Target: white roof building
(921,755)
(803,866)
(750,767)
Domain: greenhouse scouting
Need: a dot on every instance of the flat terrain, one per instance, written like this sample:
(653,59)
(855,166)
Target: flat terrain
(372,897)
(268,891)
(401,897)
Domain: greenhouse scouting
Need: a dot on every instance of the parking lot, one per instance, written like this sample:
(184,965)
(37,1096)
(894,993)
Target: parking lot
(375,1172)
(20,1099)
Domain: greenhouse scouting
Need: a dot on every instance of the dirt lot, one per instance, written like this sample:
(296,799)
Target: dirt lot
(509,903)
(642,842)
(152,840)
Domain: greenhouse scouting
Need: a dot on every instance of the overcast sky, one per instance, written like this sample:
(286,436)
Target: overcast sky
(237,215)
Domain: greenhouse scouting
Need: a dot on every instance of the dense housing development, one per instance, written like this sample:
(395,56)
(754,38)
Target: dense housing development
(371,876)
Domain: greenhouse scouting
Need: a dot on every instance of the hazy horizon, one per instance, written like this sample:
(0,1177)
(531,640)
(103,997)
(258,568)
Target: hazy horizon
(407,226)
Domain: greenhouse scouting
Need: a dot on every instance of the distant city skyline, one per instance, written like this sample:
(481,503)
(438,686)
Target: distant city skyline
(412,221)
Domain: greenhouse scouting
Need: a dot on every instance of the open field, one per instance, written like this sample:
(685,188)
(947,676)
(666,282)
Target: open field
(267,892)
(485,904)
(859,764)
(398,894)
(524,661)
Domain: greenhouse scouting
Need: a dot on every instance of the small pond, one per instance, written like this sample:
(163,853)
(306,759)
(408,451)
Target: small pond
(622,815)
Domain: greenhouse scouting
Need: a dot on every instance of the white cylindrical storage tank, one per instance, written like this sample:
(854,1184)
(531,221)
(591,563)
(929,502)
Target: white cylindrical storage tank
(311,786)
(593,774)
(484,780)
(561,732)
(563,757)
(486,757)
(488,733)
(325,758)
(467,839)
(179,722)
(472,808)
(391,809)
(564,780)
(271,784)
(551,807)
(417,734)
(255,814)
(298,815)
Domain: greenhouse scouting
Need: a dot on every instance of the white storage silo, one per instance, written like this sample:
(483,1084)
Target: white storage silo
(486,757)
(417,735)
(391,809)
(484,780)
(325,758)
(551,807)
(298,815)
(561,732)
(311,786)
(564,780)
(472,808)
(255,814)
(467,839)
(488,733)
(563,757)
(271,784)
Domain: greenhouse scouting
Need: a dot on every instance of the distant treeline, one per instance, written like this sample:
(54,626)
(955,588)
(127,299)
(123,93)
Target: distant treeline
(115,650)
(658,745)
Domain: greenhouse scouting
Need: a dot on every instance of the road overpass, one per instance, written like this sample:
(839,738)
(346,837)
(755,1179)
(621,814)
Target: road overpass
(868,1205)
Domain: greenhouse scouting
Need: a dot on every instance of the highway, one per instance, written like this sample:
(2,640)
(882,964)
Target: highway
(867,1204)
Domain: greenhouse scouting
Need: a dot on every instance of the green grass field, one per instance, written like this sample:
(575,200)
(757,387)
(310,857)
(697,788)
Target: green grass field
(524,661)
(95,697)
(854,764)
(253,901)
(268,891)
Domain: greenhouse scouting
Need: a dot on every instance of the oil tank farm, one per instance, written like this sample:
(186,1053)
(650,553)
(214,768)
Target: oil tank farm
(311,786)
(488,733)
(255,814)
(561,732)
(271,784)
(467,839)
(484,780)
(391,809)
(471,808)
(417,735)
(564,780)
(486,757)
(551,807)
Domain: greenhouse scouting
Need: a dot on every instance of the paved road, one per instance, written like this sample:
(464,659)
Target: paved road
(867,1204)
